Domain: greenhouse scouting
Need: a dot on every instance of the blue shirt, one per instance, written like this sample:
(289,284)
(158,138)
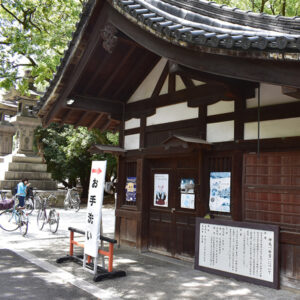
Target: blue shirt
(21,189)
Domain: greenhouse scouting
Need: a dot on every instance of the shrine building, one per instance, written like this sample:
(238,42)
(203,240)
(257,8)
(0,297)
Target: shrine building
(194,89)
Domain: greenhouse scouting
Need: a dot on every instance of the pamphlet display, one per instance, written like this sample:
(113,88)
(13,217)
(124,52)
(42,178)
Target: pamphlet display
(131,189)
(187,198)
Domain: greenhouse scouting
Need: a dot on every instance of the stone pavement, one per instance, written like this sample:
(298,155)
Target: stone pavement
(149,276)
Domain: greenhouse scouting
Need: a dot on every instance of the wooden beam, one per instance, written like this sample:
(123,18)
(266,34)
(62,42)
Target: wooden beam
(106,124)
(65,117)
(204,94)
(83,116)
(161,81)
(229,63)
(97,104)
(95,122)
(187,81)
(116,71)
(172,83)
(77,71)
(291,91)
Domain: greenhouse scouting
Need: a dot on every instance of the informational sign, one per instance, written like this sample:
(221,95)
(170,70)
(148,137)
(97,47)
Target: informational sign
(187,186)
(94,208)
(244,251)
(161,189)
(131,189)
(219,198)
(187,189)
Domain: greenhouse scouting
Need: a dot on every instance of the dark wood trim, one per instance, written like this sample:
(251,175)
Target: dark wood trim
(82,118)
(202,119)
(96,121)
(220,118)
(203,94)
(96,104)
(250,69)
(92,43)
(143,132)
(187,81)
(161,81)
(173,125)
(132,131)
(116,71)
(172,83)
(239,108)
(291,238)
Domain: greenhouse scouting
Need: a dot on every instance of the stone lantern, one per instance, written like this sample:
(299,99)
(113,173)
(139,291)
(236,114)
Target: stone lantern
(7,130)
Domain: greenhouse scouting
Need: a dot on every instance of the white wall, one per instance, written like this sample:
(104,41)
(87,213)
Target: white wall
(220,107)
(132,141)
(132,123)
(220,132)
(269,95)
(173,113)
(273,129)
(147,86)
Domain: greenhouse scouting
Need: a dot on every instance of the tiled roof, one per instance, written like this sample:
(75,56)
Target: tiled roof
(188,26)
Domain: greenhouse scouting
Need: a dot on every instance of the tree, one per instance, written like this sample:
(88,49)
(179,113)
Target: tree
(274,7)
(33,37)
(66,153)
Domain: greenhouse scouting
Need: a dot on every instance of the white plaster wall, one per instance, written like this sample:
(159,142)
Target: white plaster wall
(132,141)
(220,132)
(220,107)
(132,123)
(179,84)
(197,82)
(172,113)
(165,87)
(269,95)
(273,129)
(147,86)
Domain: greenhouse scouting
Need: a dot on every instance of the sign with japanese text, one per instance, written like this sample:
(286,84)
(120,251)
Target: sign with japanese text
(94,208)
(245,251)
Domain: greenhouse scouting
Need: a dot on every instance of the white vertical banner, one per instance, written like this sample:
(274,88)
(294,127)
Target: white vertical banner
(94,208)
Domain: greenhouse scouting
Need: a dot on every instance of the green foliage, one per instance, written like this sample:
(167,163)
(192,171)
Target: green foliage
(66,152)
(274,7)
(33,37)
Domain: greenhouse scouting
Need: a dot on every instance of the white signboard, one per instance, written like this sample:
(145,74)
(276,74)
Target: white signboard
(187,201)
(161,189)
(248,252)
(94,208)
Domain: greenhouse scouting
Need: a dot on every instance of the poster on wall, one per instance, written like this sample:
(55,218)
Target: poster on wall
(219,197)
(131,189)
(161,189)
(187,201)
(187,185)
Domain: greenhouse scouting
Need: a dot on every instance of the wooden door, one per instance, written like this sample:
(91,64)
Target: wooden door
(172,225)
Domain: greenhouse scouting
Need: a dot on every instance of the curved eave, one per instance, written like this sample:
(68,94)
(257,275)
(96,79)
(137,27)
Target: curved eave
(189,29)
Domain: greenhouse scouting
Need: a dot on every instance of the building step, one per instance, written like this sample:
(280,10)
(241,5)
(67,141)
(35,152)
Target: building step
(40,185)
(27,167)
(10,175)
(27,159)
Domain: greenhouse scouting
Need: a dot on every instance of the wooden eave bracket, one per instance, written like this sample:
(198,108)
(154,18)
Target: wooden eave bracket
(185,142)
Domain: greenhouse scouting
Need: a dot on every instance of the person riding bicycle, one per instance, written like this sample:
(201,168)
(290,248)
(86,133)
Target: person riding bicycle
(21,191)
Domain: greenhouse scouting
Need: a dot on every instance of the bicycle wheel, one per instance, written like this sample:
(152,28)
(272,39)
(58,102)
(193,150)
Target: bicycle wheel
(53,220)
(28,206)
(76,203)
(40,219)
(23,223)
(8,220)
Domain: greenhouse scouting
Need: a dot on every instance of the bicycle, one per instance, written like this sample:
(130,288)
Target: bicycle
(72,200)
(14,218)
(52,219)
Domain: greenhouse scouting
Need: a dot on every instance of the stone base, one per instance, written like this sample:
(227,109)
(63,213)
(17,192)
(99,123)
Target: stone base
(15,167)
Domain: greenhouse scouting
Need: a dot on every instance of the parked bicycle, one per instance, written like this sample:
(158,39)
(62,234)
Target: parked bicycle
(72,199)
(14,218)
(52,218)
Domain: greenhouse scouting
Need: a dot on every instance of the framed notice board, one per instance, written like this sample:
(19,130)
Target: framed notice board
(244,251)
